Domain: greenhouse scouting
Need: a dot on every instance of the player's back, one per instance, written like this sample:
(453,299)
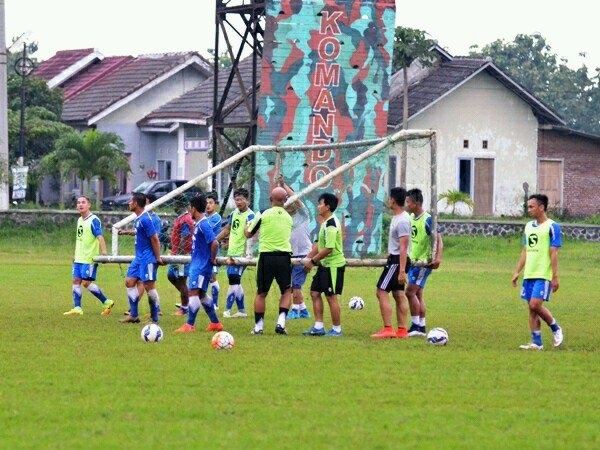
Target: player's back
(216,222)
(183,228)
(201,246)
(145,229)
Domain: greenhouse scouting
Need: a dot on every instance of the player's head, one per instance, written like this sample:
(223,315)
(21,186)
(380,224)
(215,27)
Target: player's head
(414,200)
(241,196)
(278,196)
(180,204)
(397,197)
(197,204)
(83,205)
(212,201)
(138,200)
(537,205)
(327,203)
(150,198)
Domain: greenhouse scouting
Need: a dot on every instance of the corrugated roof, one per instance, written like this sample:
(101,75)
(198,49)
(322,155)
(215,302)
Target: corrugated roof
(59,62)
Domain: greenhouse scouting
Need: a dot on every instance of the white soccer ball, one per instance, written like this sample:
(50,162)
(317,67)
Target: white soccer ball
(222,341)
(437,336)
(356,303)
(152,333)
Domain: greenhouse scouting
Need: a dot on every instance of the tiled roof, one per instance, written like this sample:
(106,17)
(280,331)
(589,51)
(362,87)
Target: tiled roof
(92,74)
(118,84)
(59,62)
(198,103)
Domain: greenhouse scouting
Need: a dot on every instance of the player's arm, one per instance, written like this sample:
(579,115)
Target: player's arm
(102,243)
(184,237)
(97,232)
(289,191)
(156,248)
(555,244)
(214,249)
(224,232)
(520,266)
(403,240)
(253,226)
(440,250)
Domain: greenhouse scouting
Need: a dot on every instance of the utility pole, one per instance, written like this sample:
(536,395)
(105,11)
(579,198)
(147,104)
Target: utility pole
(3,114)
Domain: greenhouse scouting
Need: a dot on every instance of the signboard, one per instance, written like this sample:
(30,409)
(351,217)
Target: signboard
(19,182)
(326,71)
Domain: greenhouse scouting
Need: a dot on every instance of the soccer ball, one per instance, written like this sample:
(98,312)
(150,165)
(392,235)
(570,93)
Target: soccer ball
(356,303)
(152,333)
(222,341)
(437,336)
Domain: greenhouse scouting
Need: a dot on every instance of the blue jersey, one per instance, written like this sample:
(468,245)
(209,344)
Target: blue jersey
(156,222)
(201,247)
(144,230)
(555,235)
(216,223)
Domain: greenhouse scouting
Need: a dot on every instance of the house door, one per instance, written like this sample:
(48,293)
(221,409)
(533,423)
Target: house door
(483,189)
(550,182)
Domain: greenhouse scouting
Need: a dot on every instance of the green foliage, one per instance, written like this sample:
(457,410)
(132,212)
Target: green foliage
(224,59)
(37,93)
(411,44)
(572,93)
(453,198)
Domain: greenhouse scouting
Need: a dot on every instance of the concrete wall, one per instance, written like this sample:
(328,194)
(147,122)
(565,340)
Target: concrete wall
(482,109)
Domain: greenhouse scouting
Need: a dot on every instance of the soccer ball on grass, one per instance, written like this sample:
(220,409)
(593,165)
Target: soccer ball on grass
(356,303)
(437,336)
(222,341)
(152,333)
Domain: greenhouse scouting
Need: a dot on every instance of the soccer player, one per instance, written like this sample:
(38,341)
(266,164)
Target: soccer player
(420,250)
(539,257)
(274,259)
(301,246)
(89,243)
(329,279)
(144,266)
(181,244)
(236,224)
(393,278)
(204,252)
(216,223)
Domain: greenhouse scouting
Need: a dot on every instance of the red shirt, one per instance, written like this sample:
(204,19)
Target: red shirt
(182,231)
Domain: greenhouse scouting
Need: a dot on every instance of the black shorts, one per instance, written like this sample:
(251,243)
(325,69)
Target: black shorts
(275,265)
(329,280)
(388,281)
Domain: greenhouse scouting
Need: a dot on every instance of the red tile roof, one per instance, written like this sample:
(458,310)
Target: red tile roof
(92,74)
(59,62)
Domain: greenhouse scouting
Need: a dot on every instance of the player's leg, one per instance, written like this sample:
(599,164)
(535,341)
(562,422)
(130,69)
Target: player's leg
(193,308)
(384,286)
(541,294)
(534,321)
(199,286)
(318,329)
(264,278)
(133,295)
(94,289)
(281,266)
(336,280)
(299,310)
(235,293)
(401,312)
(422,311)
(76,291)
(240,296)
(149,280)
(416,280)
(213,288)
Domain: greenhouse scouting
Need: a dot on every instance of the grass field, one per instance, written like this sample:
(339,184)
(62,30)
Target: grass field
(91,382)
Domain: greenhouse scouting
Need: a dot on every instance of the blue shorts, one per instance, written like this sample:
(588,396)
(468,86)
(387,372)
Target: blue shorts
(142,270)
(298,277)
(536,288)
(85,271)
(199,280)
(215,270)
(178,270)
(418,276)
(235,270)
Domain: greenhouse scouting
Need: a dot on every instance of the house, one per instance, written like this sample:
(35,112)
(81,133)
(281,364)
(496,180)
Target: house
(113,94)
(488,130)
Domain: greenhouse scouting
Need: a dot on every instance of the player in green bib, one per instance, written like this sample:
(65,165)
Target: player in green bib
(539,257)
(329,279)
(89,243)
(236,224)
(274,259)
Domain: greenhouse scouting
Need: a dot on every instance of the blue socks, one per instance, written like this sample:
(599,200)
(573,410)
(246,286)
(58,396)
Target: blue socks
(154,302)
(133,297)
(536,337)
(76,288)
(207,304)
(97,292)
(215,288)
(193,308)
(554,326)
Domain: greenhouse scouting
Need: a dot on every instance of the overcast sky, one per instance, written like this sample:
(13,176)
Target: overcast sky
(132,27)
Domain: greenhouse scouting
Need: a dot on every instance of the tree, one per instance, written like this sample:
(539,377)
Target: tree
(87,155)
(453,198)
(410,44)
(572,93)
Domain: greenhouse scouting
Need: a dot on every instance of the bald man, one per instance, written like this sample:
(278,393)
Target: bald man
(274,258)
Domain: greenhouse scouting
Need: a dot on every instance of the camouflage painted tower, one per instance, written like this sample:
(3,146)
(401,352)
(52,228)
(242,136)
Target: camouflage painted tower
(326,72)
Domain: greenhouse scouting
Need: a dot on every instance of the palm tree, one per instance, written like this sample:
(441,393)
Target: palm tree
(410,44)
(87,155)
(455,197)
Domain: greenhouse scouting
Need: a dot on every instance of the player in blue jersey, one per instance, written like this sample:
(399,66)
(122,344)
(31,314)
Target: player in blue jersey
(216,223)
(147,259)
(204,252)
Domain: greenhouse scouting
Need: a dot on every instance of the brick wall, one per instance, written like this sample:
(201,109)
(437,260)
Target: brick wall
(581,169)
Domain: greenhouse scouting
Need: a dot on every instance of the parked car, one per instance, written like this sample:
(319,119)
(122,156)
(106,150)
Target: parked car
(155,189)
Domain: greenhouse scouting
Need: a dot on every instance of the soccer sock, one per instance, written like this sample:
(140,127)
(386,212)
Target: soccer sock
(209,308)
(416,320)
(154,302)
(282,315)
(230,297)
(76,288)
(337,328)
(422,321)
(258,321)
(319,326)
(239,299)
(215,289)
(554,326)
(96,292)
(193,308)
(302,306)
(536,336)
(296,307)
(133,296)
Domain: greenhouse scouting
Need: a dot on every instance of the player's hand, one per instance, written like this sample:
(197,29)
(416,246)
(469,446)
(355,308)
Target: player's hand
(515,278)
(555,285)
(308,266)
(230,261)
(213,261)
(159,261)
(402,277)
(280,180)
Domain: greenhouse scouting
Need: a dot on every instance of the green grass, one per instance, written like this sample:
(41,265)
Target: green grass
(91,382)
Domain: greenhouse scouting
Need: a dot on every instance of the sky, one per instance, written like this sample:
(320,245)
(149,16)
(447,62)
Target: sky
(132,27)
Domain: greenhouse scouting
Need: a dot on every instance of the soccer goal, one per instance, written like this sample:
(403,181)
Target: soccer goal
(360,173)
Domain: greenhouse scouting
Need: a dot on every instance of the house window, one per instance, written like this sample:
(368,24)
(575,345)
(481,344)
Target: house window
(163,169)
(392,171)
(465,175)
(192,132)
(484,144)
(466,143)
